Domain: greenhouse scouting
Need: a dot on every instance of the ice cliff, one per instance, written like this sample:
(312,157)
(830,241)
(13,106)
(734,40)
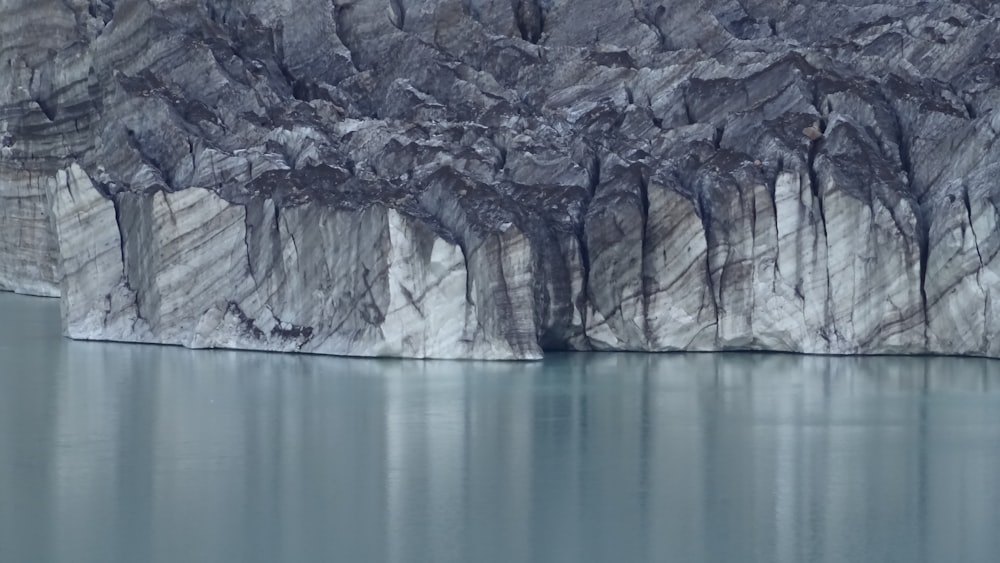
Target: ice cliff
(495,178)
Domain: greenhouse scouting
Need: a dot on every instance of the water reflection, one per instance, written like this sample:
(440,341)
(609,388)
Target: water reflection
(127,453)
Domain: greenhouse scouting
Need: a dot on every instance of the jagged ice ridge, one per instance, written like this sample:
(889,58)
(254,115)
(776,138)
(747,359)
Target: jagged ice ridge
(494,178)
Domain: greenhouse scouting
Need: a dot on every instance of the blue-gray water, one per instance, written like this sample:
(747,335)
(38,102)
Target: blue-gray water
(117,453)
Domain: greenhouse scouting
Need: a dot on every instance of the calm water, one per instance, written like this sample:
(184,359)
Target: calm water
(115,453)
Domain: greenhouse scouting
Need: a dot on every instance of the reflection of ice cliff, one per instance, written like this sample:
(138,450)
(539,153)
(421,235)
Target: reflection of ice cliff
(477,461)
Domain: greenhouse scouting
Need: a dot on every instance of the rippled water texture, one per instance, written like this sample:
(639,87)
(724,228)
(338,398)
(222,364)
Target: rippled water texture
(118,453)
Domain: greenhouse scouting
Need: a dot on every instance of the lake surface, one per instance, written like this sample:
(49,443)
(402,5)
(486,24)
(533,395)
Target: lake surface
(119,453)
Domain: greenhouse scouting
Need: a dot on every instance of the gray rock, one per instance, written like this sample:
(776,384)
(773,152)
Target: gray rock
(491,179)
